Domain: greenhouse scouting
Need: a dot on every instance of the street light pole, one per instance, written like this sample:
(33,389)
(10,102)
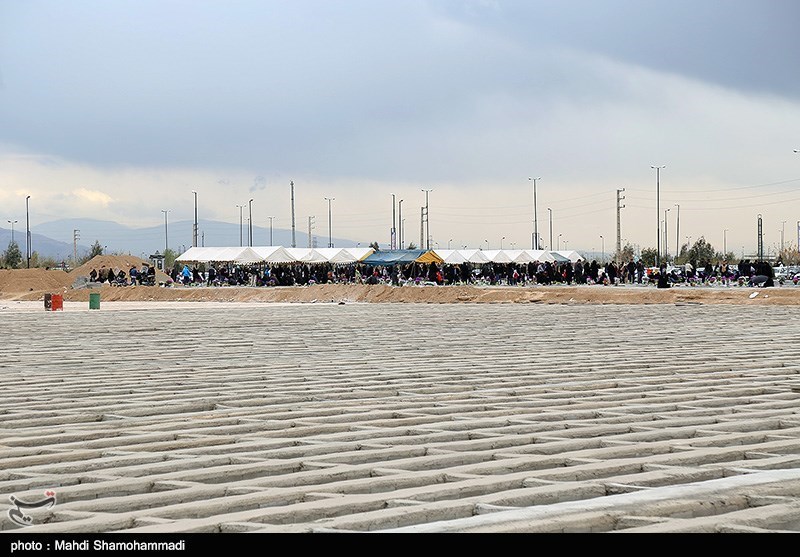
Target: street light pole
(28,231)
(783,227)
(166,230)
(501,242)
(12,222)
(194,231)
(602,249)
(549,210)
(666,251)
(393,232)
(558,248)
(658,212)
(678,232)
(427,222)
(250,222)
(330,234)
(535,242)
(400,220)
(725,242)
(241,236)
(270,230)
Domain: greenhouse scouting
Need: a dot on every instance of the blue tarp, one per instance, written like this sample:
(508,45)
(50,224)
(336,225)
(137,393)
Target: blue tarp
(393,257)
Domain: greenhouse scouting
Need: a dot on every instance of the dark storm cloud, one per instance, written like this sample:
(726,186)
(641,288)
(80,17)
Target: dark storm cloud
(742,44)
(391,90)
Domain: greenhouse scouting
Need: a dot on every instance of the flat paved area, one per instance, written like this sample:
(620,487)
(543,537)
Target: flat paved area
(258,417)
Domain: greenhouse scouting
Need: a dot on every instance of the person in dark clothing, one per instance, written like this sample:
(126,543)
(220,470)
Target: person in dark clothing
(663,279)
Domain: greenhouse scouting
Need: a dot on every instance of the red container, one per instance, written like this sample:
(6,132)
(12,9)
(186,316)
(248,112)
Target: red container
(57,302)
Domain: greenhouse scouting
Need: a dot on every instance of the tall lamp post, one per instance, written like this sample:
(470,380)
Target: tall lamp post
(393,231)
(241,225)
(270,230)
(166,230)
(427,222)
(725,242)
(330,234)
(559,243)
(194,231)
(535,239)
(658,211)
(602,248)
(666,251)
(501,242)
(28,231)
(400,221)
(12,223)
(250,222)
(783,227)
(549,210)
(678,232)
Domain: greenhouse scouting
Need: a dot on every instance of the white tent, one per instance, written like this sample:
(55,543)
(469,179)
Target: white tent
(274,254)
(219,254)
(540,255)
(451,256)
(474,255)
(358,253)
(307,255)
(497,256)
(329,254)
(572,255)
(519,256)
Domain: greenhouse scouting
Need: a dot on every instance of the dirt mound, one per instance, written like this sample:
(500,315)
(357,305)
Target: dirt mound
(116,262)
(15,281)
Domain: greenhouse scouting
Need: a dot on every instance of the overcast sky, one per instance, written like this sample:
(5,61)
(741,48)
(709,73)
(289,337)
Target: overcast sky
(119,109)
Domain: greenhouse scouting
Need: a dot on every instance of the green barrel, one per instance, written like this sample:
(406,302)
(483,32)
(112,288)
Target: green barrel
(94,300)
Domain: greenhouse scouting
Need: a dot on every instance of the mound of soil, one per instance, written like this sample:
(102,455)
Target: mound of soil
(15,281)
(116,262)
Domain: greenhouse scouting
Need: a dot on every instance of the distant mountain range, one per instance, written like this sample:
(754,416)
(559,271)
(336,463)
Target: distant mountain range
(55,238)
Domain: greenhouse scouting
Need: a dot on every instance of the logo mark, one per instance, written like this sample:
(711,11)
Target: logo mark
(18,516)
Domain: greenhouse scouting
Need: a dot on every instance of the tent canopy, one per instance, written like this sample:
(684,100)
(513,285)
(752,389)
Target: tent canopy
(219,254)
(393,257)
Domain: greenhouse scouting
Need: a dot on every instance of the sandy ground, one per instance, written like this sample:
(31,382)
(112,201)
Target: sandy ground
(33,284)
(301,418)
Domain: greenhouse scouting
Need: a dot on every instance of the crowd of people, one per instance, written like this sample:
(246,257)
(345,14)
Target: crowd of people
(492,274)
(144,276)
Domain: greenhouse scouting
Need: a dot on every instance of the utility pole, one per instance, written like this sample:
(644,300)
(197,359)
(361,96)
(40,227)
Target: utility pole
(393,233)
(28,234)
(76,234)
(241,225)
(330,232)
(270,230)
(535,242)
(400,220)
(310,228)
(760,240)
(421,227)
(250,222)
(166,230)
(194,228)
(619,225)
(658,212)
(426,213)
(678,232)
(294,243)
